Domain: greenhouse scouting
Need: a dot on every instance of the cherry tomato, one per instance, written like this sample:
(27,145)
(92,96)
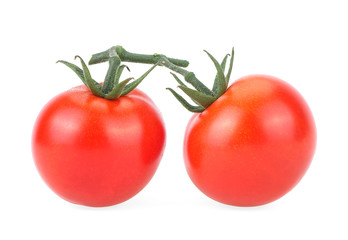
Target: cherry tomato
(253,144)
(97,152)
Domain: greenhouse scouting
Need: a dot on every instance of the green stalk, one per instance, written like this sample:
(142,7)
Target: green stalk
(126,56)
(189,76)
(110,77)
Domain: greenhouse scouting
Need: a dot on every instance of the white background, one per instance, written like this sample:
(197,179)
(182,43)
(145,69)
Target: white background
(302,42)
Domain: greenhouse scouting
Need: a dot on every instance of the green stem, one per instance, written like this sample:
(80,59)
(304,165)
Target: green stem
(189,76)
(164,61)
(126,56)
(109,81)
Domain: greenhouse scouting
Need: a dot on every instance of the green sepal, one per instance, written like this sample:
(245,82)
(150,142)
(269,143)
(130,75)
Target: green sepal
(75,68)
(119,73)
(114,63)
(222,85)
(188,106)
(134,84)
(223,66)
(117,90)
(230,67)
(178,80)
(203,99)
(198,85)
(95,87)
(182,84)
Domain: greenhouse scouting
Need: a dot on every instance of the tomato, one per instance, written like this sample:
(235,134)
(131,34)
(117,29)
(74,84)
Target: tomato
(253,144)
(97,152)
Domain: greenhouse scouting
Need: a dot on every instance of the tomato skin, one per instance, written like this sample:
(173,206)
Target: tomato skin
(253,144)
(97,152)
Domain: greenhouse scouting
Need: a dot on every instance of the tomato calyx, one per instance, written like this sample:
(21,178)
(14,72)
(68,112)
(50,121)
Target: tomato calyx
(112,88)
(201,95)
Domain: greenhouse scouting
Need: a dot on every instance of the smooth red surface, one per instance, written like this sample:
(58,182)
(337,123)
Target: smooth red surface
(96,152)
(253,144)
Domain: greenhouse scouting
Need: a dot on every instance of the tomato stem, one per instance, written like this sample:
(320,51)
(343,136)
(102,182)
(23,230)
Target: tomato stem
(190,77)
(110,77)
(126,56)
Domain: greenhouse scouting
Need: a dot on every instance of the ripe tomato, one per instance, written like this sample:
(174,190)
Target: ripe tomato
(97,152)
(253,144)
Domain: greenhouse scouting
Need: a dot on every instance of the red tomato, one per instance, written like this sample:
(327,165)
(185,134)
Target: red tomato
(97,152)
(253,144)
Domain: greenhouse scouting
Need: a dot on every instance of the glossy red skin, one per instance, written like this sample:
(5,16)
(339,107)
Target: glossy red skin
(97,152)
(253,144)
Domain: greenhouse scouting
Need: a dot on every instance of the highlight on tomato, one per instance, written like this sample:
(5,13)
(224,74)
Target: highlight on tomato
(247,144)
(100,144)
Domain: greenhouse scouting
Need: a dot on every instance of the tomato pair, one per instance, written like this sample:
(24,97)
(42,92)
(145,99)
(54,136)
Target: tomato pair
(246,145)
